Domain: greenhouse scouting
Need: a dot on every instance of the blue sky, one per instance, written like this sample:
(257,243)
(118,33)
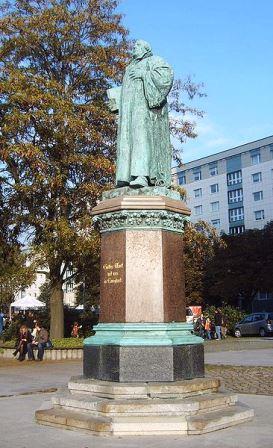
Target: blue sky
(226,44)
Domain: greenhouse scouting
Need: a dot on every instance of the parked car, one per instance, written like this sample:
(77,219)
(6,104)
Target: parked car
(255,324)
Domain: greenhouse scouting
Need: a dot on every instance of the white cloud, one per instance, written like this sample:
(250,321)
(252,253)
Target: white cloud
(211,138)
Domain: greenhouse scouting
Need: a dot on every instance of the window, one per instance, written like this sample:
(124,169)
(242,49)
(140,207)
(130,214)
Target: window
(235,196)
(216,223)
(214,188)
(198,193)
(214,206)
(236,230)
(257,177)
(236,214)
(264,295)
(247,319)
(255,159)
(259,214)
(69,286)
(197,176)
(258,317)
(258,196)
(213,170)
(182,180)
(198,210)
(234,178)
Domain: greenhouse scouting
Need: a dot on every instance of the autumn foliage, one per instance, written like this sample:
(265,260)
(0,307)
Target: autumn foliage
(58,57)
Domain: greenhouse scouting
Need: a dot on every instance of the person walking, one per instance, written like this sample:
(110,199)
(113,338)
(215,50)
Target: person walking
(218,320)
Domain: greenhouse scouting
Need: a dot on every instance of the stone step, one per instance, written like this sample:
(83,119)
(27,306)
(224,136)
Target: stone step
(118,426)
(110,389)
(63,418)
(154,406)
(145,425)
(213,421)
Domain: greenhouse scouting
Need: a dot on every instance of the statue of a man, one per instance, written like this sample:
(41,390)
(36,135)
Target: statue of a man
(143,148)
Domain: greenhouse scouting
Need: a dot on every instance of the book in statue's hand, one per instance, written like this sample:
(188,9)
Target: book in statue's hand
(114,98)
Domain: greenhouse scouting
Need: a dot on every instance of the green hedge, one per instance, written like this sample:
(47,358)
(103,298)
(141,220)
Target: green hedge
(67,343)
(57,343)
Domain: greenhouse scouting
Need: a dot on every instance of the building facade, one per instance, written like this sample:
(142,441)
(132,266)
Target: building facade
(232,190)
(34,290)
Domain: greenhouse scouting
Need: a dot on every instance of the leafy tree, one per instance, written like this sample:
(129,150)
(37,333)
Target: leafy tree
(58,57)
(241,268)
(14,272)
(201,241)
(182,124)
(88,280)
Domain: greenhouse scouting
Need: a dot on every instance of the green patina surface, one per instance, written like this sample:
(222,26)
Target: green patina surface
(141,220)
(143,334)
(143,148)
(144,191)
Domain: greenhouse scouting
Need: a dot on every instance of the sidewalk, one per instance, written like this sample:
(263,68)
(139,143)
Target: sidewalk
(28,377)
(19,430)
(19,383)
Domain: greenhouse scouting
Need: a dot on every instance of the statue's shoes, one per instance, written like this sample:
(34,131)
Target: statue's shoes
(121,183)
(140,181)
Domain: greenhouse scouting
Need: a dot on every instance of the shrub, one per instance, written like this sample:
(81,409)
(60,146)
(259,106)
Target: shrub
(65,343)
(232,315)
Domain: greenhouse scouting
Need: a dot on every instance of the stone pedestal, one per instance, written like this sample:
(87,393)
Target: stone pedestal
(118,409)
(143,369)
(142,334)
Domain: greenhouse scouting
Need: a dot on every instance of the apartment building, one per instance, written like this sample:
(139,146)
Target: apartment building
(34,289)
(233,189)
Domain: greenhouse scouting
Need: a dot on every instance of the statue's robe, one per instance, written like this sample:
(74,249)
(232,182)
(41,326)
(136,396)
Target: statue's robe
(144,147)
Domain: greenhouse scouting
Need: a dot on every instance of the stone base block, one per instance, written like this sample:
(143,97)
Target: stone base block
(143,363)
(109,389)
(196,413)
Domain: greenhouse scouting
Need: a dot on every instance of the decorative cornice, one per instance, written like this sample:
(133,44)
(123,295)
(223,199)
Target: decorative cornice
(141,219)
(144,334)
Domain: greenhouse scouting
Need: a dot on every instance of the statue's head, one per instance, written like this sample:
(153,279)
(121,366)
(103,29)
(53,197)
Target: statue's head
(141,49)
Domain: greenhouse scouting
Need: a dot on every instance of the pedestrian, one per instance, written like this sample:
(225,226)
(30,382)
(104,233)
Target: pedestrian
(40,341)
(200,326)
(75,330)
(218,320)
(208,328)
(1,322)
(23,340)
(224,327)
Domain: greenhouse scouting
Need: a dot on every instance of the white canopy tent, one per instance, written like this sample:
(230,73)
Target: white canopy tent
(79,307)
(27,303)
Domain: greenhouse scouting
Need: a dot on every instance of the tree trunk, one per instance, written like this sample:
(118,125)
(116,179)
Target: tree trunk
(56,311)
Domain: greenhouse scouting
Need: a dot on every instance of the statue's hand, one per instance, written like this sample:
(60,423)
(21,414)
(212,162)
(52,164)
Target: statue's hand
(135,73)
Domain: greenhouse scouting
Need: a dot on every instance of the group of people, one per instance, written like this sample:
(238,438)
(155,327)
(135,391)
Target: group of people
(30,338)
(212,329)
